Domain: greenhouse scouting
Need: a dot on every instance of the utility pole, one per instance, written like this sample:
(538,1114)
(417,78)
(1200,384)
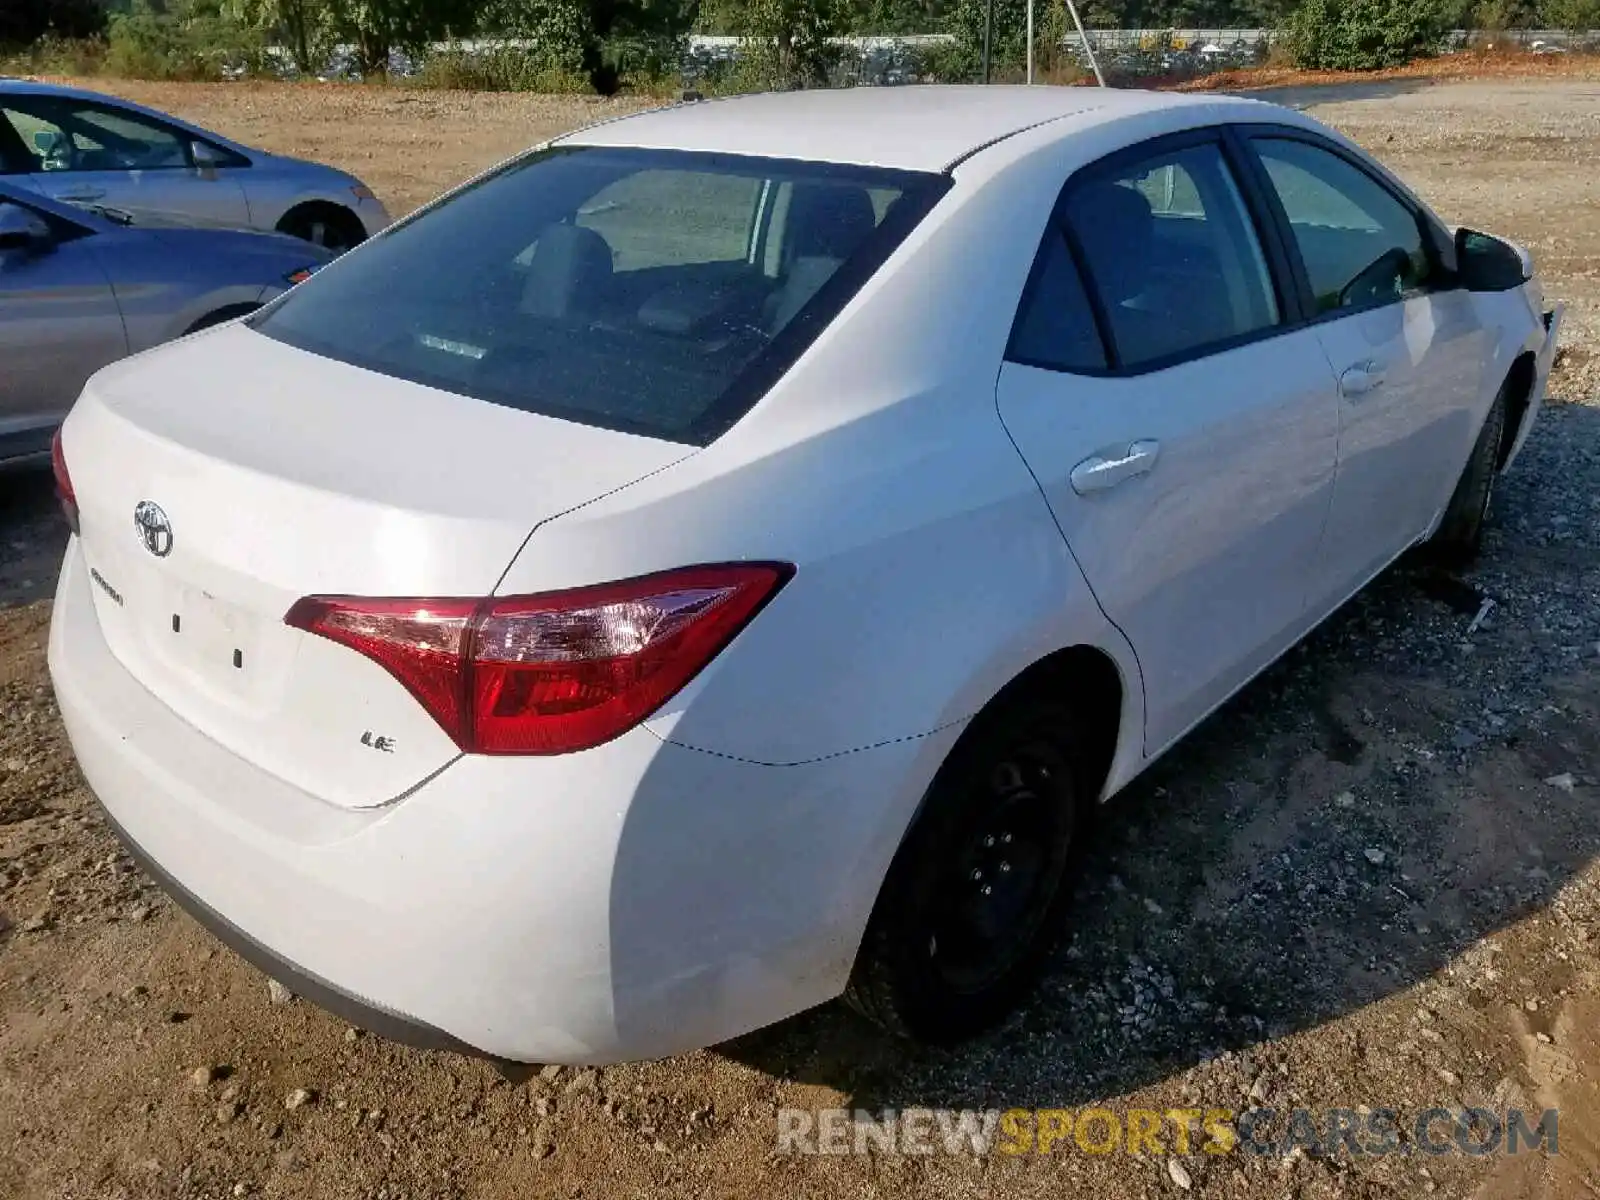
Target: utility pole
(988,34)
(1030,41)
(1094,62)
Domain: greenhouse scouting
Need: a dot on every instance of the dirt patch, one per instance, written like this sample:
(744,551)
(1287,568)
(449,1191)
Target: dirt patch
(1369,881)
(1493,65)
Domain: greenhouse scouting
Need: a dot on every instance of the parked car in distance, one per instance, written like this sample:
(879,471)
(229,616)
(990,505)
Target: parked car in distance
(715,562)
(83,147)
(80,289)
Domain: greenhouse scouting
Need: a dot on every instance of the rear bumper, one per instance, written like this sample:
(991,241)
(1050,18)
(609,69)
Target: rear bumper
(633,901)
(328,996)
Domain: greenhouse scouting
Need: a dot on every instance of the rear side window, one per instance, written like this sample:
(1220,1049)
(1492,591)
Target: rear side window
(1171,254)
(72,135)
(654,292)
(1361,246)
(1055,326)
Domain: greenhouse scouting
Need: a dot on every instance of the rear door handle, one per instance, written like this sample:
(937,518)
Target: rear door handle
(1361,379)
(1099,472)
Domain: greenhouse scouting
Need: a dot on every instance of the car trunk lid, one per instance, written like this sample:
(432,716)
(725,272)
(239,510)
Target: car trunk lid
(220,482)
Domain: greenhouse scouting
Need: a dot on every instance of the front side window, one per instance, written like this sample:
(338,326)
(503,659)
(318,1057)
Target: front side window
(1171,255)
(69,135)
(649,291)
(1361,246)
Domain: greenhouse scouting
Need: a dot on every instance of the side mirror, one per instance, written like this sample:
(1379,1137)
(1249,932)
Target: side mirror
(1487,264)
(23,231)
(205,156)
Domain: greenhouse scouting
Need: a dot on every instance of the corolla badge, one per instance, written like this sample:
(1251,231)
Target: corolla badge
(153,528)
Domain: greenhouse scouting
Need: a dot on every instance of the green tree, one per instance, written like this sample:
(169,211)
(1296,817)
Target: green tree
(1496,15)
(302,27)
(377,27)
(785,43)
(24,21)
(1574,15)
(1364,35)
(600,39)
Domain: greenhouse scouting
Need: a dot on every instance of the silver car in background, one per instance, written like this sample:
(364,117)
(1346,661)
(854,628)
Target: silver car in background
(81,288)
(83,147)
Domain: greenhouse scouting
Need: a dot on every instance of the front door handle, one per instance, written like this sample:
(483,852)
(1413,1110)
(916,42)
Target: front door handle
(1099,472)
(1361,379)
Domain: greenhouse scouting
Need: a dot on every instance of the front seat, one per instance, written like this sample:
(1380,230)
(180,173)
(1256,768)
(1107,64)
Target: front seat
(568,274)
(826,223)
(1115,226)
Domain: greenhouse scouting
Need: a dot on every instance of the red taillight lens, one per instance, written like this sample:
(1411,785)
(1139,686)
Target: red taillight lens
(64,492)
(553,673)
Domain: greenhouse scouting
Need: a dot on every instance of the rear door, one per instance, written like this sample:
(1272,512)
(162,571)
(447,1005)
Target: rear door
(59,323)
(89,152)
(1404,343)
(1182,429)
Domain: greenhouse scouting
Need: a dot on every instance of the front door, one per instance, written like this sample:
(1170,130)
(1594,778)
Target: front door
(1404,343)
(86,152)
(1183,434)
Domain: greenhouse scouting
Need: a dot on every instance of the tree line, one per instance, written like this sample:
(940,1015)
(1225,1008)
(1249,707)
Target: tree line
(599,44)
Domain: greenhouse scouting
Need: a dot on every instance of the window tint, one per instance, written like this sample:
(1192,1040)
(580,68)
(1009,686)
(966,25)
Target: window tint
(66,135)
(643,290)
(1055,327)
(1361,246)
(1171,255)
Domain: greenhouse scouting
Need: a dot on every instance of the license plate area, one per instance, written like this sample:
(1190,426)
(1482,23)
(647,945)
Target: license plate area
(216,640)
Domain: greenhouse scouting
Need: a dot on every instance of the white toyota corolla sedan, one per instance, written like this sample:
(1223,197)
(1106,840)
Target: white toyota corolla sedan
(711,563)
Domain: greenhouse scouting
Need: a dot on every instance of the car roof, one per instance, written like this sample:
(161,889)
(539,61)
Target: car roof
(921,128)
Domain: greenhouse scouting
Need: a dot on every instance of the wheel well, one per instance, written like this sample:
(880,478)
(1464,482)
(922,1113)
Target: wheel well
(1519,391)
(324,210)
(1086,679)
(218,316)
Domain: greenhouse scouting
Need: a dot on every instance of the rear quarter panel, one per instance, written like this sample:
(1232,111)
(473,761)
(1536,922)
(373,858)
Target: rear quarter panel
(163,291)
(929,569)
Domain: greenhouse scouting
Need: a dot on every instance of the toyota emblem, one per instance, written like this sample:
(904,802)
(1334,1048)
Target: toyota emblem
(154,530)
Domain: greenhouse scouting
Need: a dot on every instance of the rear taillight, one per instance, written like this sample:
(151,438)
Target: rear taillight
(551,673)
(64,492)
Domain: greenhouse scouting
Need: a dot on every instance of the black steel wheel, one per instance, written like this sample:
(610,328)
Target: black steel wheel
(974,901)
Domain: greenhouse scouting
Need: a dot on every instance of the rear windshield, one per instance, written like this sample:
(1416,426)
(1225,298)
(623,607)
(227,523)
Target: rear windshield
(655,292)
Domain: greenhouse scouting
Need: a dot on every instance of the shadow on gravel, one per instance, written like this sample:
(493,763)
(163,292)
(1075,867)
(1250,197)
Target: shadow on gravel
(1306,95)
(1355,819)
(33,534)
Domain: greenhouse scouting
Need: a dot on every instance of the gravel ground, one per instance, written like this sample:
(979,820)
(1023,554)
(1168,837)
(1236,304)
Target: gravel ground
(1370,880)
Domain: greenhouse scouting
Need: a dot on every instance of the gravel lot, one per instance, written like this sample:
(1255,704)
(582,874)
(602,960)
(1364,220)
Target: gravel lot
(1370,880)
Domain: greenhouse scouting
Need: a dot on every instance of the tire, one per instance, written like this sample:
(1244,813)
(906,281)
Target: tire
(326,225)
(974,901)
(1460,534)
